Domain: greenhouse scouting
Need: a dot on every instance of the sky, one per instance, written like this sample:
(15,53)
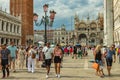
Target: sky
(65,10)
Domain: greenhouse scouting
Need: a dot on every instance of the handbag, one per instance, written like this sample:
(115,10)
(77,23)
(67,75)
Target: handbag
(95,65)
(33,54)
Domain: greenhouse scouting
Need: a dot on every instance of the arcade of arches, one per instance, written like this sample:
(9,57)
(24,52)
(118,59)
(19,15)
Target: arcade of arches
(89,32)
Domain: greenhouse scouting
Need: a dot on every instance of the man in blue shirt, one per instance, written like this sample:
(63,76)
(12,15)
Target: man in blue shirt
(109,54)
(13,54)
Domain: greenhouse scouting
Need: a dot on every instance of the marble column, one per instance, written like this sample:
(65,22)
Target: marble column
(16,29)
(4,26)
(4,40)
(12,28)
(16,41)
(19,29)
(8,41)
(8,27)
(108,22)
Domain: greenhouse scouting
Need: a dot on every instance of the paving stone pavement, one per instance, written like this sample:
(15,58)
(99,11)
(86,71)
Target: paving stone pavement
(73,69)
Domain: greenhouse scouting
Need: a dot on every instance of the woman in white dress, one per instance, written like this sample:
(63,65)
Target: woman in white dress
(31,59)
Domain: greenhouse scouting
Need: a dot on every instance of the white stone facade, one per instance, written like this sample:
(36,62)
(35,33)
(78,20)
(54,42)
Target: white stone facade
(88,32)
(10,28)
(116,8)
(62,36)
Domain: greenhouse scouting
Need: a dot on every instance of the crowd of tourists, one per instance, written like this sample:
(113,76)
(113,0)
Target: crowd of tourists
(76,51)
(30,56)
(11,55)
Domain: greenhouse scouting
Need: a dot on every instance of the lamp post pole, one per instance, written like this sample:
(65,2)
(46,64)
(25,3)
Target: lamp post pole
(88,37)
(45,7)
(45,29)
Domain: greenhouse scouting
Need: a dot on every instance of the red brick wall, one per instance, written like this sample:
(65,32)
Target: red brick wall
(25,8)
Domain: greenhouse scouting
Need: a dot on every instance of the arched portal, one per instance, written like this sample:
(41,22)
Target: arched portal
(92,41)
(82,39)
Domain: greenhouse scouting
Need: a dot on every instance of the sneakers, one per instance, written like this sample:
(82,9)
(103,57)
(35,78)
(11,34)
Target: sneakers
(32,71)
(46,76)
(58,75)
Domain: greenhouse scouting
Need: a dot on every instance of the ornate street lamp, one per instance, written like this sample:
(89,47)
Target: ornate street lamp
(52,15)
(45,7)
(88,41)
(45,20)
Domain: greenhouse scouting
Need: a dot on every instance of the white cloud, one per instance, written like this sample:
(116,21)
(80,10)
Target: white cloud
(5,5)
(63,8)
(67,8)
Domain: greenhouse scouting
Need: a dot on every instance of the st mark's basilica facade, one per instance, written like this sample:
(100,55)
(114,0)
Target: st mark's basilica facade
(89,32)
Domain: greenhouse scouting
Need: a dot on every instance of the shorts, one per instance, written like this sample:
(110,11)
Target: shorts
(100,63)
(48,62)
(13,59)
(109,61)
(57,59)
(4,62)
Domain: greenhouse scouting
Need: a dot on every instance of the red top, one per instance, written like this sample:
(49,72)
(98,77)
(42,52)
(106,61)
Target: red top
(71,49)
(66,50)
